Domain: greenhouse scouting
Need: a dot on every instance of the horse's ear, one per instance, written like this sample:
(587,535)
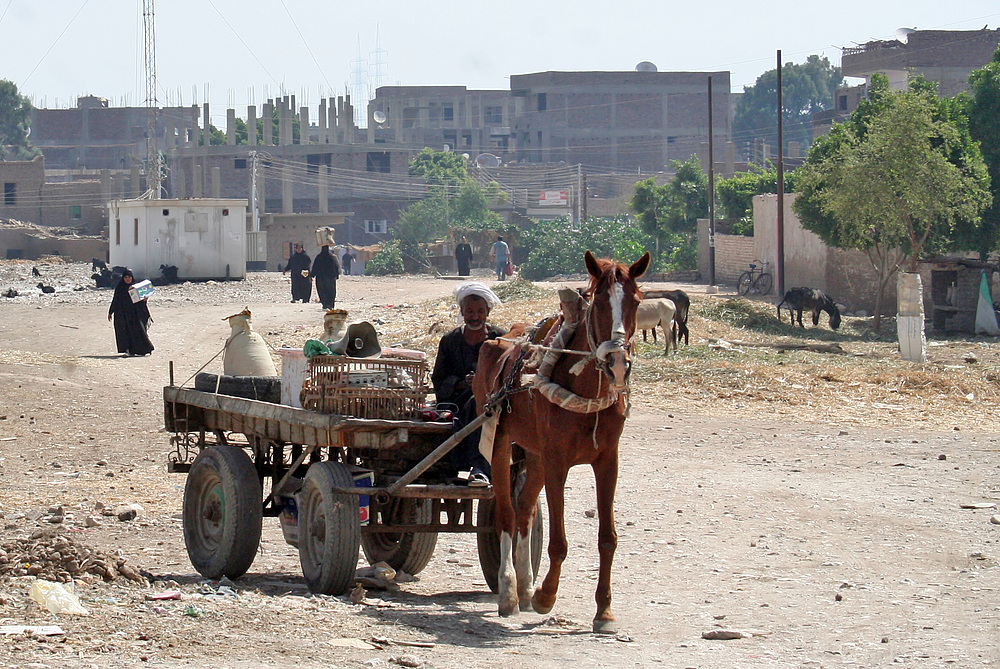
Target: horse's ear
(639,267)
(592,265)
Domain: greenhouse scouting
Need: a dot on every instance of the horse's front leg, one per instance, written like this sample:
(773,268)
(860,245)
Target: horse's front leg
(527,507)
(505,523)
(606,477)
(545,595)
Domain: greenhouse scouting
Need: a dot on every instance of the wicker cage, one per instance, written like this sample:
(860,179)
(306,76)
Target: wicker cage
(366,387)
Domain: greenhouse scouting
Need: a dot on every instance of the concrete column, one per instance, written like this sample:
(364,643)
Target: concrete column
(216,182)
(231,127)
(349,122)
(196,181)
(332,126)
(284,126)
(793,149)
(730,159)
(207,127)
(323,139)
(252,125)
(135,183)
(106,185)
(180,183)
(324,175)
(267,114)
(286,191)
(304,125)
(703,156)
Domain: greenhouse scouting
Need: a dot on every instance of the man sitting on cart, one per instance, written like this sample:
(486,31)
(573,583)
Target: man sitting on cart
(454,367)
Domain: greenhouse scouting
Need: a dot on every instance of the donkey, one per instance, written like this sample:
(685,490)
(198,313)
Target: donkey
(651,313)
(800,299)
(683,306)
(573,414)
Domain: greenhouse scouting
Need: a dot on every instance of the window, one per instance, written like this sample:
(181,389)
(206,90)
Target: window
(136,229)
(75,212)
(449,114)
(378,161)
(543,102)
(375,227)
(10,194)
(314,160)
(842,102)
(240,163)
(118,232)
(493,115)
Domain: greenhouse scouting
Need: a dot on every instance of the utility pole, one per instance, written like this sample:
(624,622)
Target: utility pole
(711,191)
(583,212)
(152,153)
(780,269)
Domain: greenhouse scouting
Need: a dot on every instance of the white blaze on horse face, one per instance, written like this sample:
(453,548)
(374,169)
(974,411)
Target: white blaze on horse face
(619,358)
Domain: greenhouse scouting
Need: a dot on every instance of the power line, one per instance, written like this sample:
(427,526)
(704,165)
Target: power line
(52,46)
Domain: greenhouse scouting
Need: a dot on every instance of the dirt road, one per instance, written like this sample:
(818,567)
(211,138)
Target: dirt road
(826,545)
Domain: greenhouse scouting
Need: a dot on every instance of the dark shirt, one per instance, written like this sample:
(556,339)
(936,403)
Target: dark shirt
(455,359)
(298,262)
(326,266)
(463,253)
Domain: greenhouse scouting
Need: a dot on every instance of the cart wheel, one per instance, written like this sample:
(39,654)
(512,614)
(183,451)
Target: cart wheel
(489,542)
(329,529)
(403,551)
(222,512)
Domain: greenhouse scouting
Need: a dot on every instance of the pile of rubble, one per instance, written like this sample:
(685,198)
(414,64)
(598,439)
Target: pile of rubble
(54,556)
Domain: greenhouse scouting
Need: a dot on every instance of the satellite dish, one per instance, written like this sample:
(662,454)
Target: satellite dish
(447,148)
(487,160)
(465,156)
(378,116)
(28,132)
(645,66)
(903,33)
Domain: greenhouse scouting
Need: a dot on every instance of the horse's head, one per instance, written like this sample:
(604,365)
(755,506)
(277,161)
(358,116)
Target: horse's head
(614,297)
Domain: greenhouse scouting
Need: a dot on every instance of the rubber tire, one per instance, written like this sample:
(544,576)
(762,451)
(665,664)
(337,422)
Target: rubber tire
(329,529)
(222,512)
(262,388)
(764,284)
(409,552)
(489,542)
(744,283)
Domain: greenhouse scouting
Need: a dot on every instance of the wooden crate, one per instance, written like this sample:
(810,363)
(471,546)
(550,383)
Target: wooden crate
(366,387)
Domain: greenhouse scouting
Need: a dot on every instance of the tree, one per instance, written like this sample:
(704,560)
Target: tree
(670,213)
(15,112)
(895,181)
(440,168)
(983,111)
(734,197)
(806,88)
(557,246)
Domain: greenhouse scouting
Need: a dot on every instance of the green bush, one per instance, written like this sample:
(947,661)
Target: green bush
(389,260)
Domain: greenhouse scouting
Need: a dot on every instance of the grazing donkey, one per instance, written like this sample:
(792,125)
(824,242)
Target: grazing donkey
(800,299)
(655,312)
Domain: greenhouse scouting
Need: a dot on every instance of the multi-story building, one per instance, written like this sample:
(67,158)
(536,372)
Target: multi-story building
(441,117)
(619,120)
(944,56)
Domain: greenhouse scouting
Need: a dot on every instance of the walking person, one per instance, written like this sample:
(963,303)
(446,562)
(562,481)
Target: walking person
(298,265)
(131,319)
(463,257)
(348,262)
(326,270)
(501,255)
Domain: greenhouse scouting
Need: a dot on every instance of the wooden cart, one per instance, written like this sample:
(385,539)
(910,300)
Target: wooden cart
(335,483)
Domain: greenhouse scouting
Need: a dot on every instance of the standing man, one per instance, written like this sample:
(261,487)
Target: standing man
(500,254)
(463,257)
(298,265)
(348,261)
(326,270)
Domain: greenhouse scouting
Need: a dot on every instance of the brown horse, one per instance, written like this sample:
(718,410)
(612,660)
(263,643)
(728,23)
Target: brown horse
(572,415)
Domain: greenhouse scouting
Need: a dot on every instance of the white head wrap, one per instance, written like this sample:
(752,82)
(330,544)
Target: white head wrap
(477,288)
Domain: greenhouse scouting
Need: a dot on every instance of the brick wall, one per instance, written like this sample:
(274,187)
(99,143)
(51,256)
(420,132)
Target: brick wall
(733,255)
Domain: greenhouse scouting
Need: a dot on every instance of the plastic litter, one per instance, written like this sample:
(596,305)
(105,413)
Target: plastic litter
(56,598)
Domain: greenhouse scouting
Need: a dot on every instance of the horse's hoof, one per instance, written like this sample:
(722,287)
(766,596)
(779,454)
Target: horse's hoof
(525,604)
(540,607)
(507,608)
(605,626)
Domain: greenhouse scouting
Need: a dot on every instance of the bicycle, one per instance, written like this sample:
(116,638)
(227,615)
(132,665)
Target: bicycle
(755,280)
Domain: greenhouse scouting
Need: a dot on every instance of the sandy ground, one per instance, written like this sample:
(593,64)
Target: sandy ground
(827,543)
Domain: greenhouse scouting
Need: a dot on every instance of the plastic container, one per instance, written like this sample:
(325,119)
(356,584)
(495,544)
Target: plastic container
(56,598)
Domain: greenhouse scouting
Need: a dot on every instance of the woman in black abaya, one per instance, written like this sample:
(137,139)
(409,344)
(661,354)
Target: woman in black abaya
(131,319)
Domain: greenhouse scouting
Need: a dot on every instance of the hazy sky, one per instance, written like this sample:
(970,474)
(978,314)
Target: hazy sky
(55,50)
